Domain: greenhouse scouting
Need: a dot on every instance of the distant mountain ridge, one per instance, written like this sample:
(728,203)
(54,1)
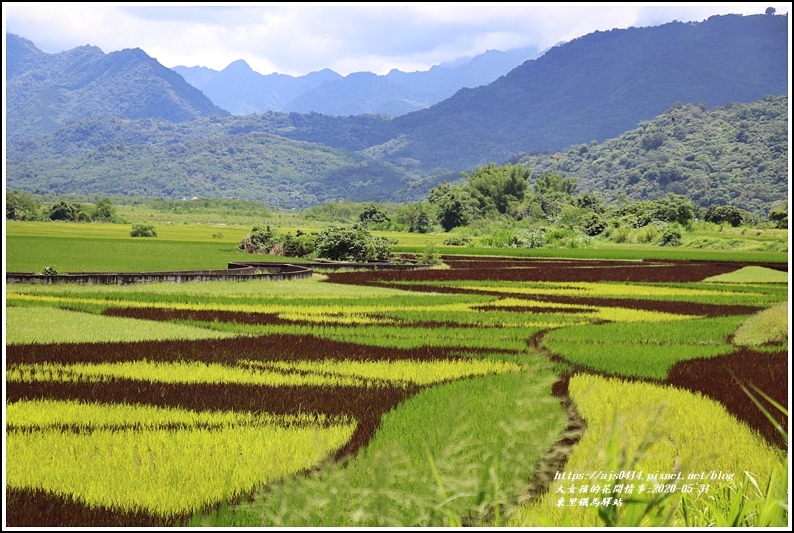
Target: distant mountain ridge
(241,90)
(599,86)
(580,93)
(46,91)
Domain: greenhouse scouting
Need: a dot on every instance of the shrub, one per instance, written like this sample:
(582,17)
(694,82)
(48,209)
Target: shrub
(143,230)
(429,256)
(570,238)
(594,225)
(458,240)
(670,237)
(50,271)
(355,243)
(259,241)
(265,241)
(621,234)
(66,211)
(648,234)
(531,238)
(300,245)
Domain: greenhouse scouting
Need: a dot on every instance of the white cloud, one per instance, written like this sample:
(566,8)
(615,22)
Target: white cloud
(293,38)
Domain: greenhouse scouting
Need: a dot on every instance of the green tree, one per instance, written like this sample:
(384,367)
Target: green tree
(416,217)
(673,208)
(63,210)
(104,211)
(21,206)
(554,183)
(454,204)
(373,214)
(780,217)
(499,188)
(727,213)
(590,201)
(553,193)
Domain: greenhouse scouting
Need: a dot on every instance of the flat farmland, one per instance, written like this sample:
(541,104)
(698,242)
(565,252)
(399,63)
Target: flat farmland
(470,395)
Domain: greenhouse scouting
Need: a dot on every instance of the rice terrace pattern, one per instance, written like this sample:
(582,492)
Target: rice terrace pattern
(366,397)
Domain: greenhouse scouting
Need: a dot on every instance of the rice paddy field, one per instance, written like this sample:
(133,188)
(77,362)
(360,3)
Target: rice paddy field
(494,391)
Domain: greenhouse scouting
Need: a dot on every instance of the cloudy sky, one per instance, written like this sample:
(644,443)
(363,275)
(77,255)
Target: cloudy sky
(298,38)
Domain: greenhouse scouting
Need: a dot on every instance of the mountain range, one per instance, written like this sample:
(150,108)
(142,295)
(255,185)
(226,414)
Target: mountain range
(241,91)
(594,88)
(46,91)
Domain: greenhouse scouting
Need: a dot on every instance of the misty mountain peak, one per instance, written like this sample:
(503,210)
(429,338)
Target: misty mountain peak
(238,67)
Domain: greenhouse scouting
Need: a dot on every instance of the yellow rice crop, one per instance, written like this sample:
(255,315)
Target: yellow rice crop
(161,471)
(418,372)
(329,373)
(602,289)
(684,432)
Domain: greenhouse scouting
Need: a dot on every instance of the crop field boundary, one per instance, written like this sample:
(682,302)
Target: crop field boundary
(236,271)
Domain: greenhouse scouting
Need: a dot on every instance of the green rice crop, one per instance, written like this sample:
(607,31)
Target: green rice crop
(752,274)
(180,246)
(395,372)
(592,313)
(59,230)
(458,453)
(639,360)
(770,326)
(439,459)
(606,250)
(77,254)
(462,338)
(257,294)
(487,316)
(275,374)
(642,349)
(40,325)
(594,290)
(649,429)
(713,330)
(713,293)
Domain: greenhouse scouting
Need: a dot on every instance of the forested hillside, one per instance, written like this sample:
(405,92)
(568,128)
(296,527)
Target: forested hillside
(732,155)
(260,166)
(736,154)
